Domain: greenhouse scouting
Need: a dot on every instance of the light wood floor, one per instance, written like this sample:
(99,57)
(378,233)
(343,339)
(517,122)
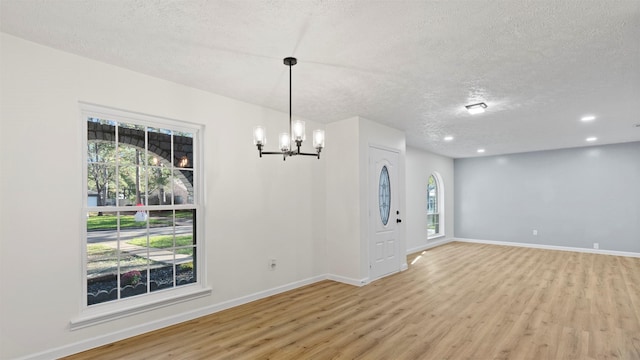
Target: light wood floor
(457,301)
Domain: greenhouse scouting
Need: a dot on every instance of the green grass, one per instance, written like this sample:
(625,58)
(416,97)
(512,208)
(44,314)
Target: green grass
(166,241)
(184,214)
(99,250)
(109,222)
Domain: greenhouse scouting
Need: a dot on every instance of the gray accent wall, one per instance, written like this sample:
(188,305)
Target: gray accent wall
(572,197)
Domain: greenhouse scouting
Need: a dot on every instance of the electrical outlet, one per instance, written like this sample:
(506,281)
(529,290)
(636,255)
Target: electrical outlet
(272,264)
(535,232)
(596,245)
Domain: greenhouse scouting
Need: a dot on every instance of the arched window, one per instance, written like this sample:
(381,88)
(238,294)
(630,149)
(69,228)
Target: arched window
(434,207)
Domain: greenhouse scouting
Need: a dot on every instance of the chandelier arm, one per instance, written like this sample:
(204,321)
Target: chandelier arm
(288,153)
(273,153)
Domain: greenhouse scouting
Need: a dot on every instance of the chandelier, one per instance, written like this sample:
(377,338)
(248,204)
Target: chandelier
(295,135)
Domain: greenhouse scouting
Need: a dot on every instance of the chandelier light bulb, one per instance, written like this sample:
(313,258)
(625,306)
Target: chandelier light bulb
(259,136)
(318,139)
(285,142)
(298,130)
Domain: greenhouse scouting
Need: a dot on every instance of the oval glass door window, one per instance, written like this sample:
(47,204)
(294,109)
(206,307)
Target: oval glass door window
(384,195)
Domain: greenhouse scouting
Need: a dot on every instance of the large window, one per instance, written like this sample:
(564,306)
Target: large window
(434,206)
(142,204)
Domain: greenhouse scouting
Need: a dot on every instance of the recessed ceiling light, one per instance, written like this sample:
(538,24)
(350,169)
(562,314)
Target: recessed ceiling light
(480,150)
(588,118)
(476,108)
(592,138)
(448,138)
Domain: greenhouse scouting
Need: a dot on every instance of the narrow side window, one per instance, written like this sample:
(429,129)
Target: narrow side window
(434,207)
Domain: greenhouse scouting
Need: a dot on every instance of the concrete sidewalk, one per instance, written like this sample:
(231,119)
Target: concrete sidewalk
(154,254)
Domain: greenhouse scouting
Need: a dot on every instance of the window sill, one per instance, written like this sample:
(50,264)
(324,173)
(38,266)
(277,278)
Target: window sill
(101,314)
(435,237)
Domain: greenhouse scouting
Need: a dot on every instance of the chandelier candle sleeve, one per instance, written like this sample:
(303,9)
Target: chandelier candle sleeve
(318,139)
(259,136)
(298,130)
(285,142)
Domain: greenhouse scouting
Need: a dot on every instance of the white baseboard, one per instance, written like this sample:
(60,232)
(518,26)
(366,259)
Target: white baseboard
(168,321)
(429,245)
(346,280)
(551,247)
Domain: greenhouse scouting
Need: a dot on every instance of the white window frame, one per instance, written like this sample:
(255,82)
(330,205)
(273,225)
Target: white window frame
(111,310)
(439,206)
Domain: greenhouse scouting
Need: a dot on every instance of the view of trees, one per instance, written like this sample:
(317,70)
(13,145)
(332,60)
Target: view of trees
(137,178)
(130,250)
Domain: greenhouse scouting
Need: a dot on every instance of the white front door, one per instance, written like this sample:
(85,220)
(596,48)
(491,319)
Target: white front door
(383,213)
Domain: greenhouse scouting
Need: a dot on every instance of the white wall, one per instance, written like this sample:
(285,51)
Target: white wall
(420,165)
(254,208)
(343,204)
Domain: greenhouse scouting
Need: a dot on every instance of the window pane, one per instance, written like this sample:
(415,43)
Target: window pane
(101,184)
(159,143)
(182,187)
(185,273)
(102,261)
(131,185)
(432,195)
(161,273)
(98,222)
(159,186)
(102,272)
(184,220)
(101,138)
(433,224)
(183,150)
(129,155)
(133,278)
(160,233)
(185,246)
(101,152)
(384,195)
(133,223)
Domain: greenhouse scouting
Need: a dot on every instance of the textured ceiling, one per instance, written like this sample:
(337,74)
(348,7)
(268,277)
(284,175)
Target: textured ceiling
(413,65)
